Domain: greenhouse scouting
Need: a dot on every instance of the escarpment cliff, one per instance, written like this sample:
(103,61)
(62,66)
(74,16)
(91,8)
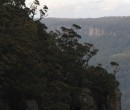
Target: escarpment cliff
(93,31)
(86,101)
(99,32)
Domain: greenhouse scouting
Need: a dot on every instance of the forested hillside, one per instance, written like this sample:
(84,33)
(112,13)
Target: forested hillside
(42,70)
(111,36)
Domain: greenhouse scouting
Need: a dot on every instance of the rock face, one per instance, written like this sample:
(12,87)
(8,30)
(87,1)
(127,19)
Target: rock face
(32,105)
(98,32)
(114,102)
(93,31)
(86,101)
(82,101)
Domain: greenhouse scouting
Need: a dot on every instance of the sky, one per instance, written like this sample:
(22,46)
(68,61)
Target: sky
(85,8)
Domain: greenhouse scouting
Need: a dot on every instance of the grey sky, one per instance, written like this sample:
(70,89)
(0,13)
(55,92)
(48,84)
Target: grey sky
(85,8)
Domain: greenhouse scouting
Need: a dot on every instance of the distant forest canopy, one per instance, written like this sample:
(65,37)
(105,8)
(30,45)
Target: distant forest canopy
(114,24)
(49,68)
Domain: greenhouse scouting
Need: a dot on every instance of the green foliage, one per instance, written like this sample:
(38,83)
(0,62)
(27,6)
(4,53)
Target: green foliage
(47,67)
(101,81)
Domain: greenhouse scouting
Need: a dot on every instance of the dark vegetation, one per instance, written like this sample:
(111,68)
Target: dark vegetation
(48,67)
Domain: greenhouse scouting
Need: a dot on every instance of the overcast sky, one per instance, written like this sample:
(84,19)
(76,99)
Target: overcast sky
(85,8)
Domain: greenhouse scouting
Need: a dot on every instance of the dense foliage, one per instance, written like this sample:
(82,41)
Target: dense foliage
(48,67)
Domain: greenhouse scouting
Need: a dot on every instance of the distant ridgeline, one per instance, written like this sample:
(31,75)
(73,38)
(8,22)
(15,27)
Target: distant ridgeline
(94,26)
(42,70)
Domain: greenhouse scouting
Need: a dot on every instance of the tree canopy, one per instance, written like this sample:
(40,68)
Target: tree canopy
(47,67)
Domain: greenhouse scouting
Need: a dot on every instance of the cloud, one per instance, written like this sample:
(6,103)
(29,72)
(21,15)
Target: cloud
(85,8)
(110,5)
(125,1)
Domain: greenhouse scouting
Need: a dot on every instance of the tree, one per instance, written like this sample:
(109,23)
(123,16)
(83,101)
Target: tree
(115,66)
(102,84)
(19,59)
(45,66)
